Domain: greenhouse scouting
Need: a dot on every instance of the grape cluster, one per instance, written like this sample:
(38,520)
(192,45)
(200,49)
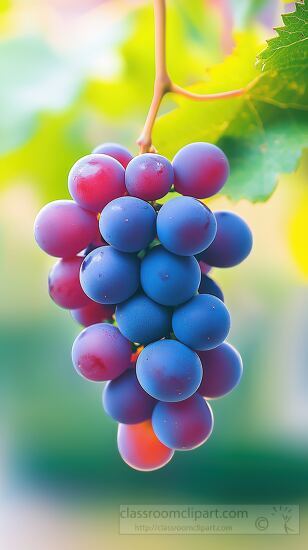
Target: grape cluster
(134,273)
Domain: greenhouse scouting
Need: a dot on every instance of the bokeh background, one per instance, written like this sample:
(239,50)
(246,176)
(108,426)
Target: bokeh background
(75,73)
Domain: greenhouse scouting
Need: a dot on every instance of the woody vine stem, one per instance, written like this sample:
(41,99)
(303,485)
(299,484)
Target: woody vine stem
(163,83)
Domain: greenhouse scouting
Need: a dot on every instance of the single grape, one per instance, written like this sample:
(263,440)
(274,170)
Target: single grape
(63,229)
(142,320)
(202,323)
(185,226)
(232,244)
(169,279)
(128,224)
(64,285)
(208,286)
(140,448)
(184,425)
(222,371)
(116,151)
(92,313)
(108,276)
(100,353)
(125,400)
(169,371)
(149,177)
(200,170)
(95,180)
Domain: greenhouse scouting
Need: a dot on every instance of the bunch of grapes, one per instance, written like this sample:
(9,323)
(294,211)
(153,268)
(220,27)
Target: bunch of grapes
(134,273)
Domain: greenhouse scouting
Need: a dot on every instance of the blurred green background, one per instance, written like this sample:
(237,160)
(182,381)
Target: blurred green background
(74,74)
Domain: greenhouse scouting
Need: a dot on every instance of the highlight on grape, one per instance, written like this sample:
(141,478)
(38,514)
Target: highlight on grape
(134,274)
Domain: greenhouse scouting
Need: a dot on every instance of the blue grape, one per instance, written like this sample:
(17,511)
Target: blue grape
(169,279)
(222,371)
(125,400)
(168,370)
(200,170)
(185,226)
(108,276)
(128,224)
(184,425)
(116,151)
(232,243)
(202,323)
(208,286)
(142,320)
(100,352)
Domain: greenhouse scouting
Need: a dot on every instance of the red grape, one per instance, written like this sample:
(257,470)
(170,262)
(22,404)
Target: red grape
(140,448)
(95,180)
(92,313)
(64,285)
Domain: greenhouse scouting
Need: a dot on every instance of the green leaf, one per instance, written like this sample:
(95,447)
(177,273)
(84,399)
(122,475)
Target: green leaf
(288,50)
(264,131)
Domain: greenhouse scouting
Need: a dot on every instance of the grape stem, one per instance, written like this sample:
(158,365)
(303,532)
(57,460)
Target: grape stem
(163,83)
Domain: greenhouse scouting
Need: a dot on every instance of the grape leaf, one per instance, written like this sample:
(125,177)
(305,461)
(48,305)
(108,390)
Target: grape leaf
(264,131)
(287,49)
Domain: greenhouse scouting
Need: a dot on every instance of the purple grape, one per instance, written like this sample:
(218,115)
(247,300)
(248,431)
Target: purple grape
(200,170)
(125,400)
(232,243)
(208,286)
(149,177)
(116,151)
(222,371)
(100,353)
(184,425)
(63,229)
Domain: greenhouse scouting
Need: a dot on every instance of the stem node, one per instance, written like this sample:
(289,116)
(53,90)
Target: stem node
(163,84)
